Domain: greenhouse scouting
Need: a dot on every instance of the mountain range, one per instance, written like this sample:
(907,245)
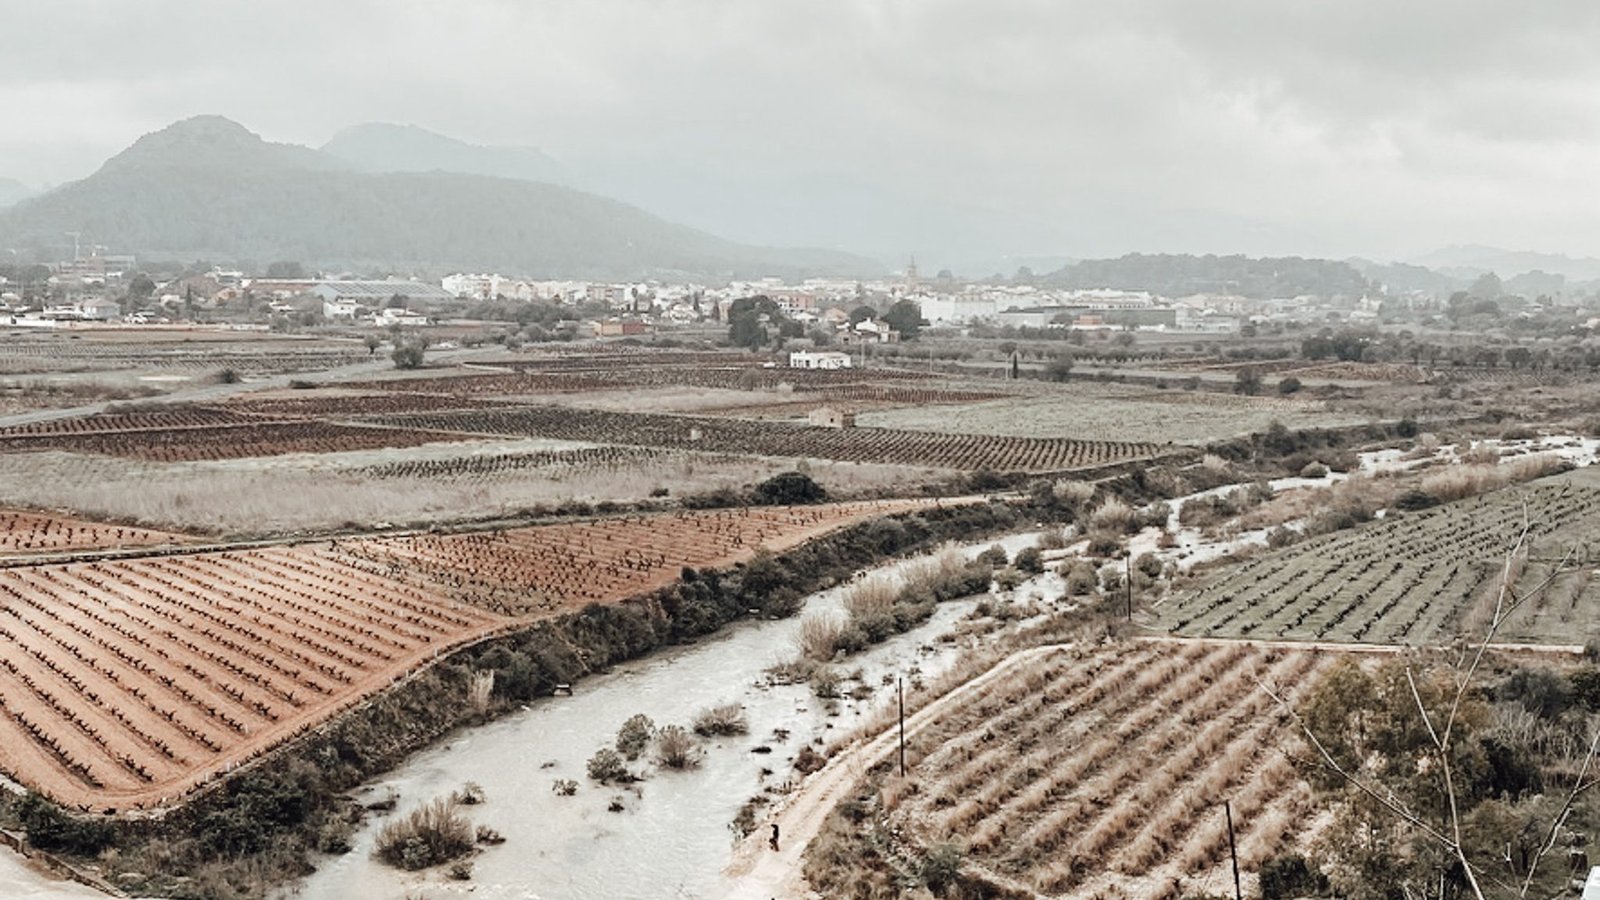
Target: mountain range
(378,197)
(12,190)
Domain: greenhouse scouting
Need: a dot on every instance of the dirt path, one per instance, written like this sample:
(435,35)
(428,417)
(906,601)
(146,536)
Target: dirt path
(756,872)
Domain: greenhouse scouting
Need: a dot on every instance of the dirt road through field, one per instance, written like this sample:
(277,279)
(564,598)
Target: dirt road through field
(758,872)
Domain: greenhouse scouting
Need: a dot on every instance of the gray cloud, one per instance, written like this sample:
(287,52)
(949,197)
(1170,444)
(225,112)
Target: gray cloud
(962,128)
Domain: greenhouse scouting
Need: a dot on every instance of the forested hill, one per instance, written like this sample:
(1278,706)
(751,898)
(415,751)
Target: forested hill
(1177,275)
(208,188)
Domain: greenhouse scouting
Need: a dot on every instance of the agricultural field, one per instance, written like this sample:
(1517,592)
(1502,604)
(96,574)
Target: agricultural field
(229,441)
(1417,577)
(562,567)
(24,533)
(174,351)
(1102,773)
(960,452)
(431,483)
(1094,411)
(124,684)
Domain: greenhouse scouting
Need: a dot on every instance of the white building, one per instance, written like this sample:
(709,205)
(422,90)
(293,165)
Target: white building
(819,359)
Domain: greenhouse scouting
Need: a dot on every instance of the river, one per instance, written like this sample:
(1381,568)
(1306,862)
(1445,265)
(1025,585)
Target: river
(673,836)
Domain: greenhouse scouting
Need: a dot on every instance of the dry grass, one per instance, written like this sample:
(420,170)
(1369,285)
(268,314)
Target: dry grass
(479,691)
(677,749)
(1470,480)
(872,597)
(1112,515)
(309,492)
(726,719)
(819,635)
(431,834)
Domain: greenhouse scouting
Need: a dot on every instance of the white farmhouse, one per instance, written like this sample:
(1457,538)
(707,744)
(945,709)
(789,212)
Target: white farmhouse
(819,359)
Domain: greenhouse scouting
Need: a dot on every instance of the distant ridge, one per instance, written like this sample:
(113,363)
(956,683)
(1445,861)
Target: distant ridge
(209,188)
(382,147)
(1471,260)
(12,190)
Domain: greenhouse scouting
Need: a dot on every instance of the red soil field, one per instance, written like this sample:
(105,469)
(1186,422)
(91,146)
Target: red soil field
(563,567)
(31,533)
(128,684)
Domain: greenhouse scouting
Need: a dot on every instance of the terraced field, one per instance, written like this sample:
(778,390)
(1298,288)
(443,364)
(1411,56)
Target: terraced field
(1417,577)
(30,533)
(128,683)
(1102,773)
(964,452)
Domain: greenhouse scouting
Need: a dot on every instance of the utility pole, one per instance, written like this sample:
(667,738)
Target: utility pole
(1129,579)
(902,692)
(1233,852)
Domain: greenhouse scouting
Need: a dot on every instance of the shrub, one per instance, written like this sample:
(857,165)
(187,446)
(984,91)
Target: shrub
(1148,564)
(1290,875)
(1289,385)
(564,787)
(431,834)
(1007,579)
(461,870)
(726,719)
(1030,561)
(940,868)
(471,794)
(789,489)
(995,556)
(808,760)
(1314,470)
(1103,543)
(606,766)
(825,683)
(634,735)
(1081,577)
(676,748)
(820,635)
(1112,515)
(409,354)
(51,829)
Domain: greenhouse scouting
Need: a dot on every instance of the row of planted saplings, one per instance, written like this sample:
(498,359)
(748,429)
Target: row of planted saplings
(264,610)
(401,601)
(398,593)
(585,458)
(1217,699)
(80,686)
(72,717)
(137,664)
(250,649)
(264,599)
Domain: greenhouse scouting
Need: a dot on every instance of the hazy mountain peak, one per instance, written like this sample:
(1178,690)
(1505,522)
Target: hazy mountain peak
(387,147)
(12,190)
(209,188)
(210,140)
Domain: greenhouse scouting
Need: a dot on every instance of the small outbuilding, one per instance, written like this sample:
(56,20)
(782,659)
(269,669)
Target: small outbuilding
(831,417)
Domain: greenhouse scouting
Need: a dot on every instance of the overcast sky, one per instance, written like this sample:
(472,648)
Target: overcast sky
(997,126)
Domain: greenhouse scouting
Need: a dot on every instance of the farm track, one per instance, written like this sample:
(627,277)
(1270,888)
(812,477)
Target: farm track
(126,684)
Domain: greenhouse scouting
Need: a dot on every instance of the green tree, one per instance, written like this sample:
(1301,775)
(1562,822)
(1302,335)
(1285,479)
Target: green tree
(861,314)
(905,317)
(408,354)
(1248,382)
